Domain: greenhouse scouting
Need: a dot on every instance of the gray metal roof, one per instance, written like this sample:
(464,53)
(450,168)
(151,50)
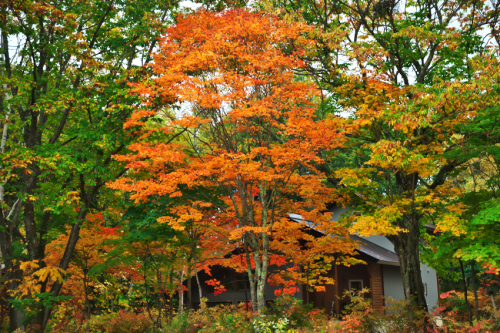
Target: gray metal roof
(383,256)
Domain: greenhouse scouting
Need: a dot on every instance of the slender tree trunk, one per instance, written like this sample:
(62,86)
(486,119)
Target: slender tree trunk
(257,277)
(190,291)
(130,288)
(148,305)
(262,273)
(171,296)
(492,295)
(258,285)
(474,289)
(469,312)
(262,277)
(181,293)
(2,145)
(161,302)
(200,293)
(87,313)
(251,279)
(246,292)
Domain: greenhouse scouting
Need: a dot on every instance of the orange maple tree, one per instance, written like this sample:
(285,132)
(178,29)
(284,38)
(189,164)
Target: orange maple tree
(249,130)
(90,250)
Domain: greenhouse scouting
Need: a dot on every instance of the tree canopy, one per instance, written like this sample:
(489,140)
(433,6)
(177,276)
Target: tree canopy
(144,143)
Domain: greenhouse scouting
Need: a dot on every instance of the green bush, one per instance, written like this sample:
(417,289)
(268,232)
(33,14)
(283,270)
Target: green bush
(290,308)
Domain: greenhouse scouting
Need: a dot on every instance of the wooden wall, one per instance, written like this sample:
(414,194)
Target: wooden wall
(377,286)
(372,277)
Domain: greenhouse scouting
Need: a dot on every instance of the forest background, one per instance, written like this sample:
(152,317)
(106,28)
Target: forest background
(143,141)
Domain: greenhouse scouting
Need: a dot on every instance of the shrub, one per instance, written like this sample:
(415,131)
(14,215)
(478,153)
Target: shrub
(268,325)
(395,318)
(127,322)
(221,318)
(4,324)
(453,312)
(290,308)
(359,315)
(121,322)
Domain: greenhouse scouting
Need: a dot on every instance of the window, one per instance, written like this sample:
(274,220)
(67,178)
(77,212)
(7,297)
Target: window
(355,285)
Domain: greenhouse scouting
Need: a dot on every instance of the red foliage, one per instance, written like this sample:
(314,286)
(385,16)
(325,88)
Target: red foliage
(219,289)
(288,291)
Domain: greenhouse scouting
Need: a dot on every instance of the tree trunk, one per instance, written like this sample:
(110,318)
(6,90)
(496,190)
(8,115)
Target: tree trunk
(262,276)
(247,288)
(406,246)
(68,253)
(262,272)
(492,296)
(259,279)
(171,297)
(474,289)
(251,278)
(181,293)
(16,318)
(190,291)
(13,276)
(161,301)
(469,312)
(200,293)
(86,290)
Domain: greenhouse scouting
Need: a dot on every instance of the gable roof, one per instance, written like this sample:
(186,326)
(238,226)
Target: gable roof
(382,255)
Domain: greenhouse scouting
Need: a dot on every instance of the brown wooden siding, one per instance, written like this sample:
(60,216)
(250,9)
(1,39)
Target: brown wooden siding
(323,300)
(372,276)
(377,286)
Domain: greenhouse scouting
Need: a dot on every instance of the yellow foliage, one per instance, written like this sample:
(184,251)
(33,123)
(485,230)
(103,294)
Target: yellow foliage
(381,223)
(34,276)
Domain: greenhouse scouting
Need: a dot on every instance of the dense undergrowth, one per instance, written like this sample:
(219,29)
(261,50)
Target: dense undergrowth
(286,314)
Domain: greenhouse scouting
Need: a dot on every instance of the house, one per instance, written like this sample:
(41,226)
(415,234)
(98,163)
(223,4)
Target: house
(381,275)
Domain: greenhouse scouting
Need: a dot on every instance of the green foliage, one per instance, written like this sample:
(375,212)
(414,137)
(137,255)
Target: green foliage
(4,324)
(32,306)
(65,68)
(221,318)
(484,230)
(289,308)
(270,325)
(140,219)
